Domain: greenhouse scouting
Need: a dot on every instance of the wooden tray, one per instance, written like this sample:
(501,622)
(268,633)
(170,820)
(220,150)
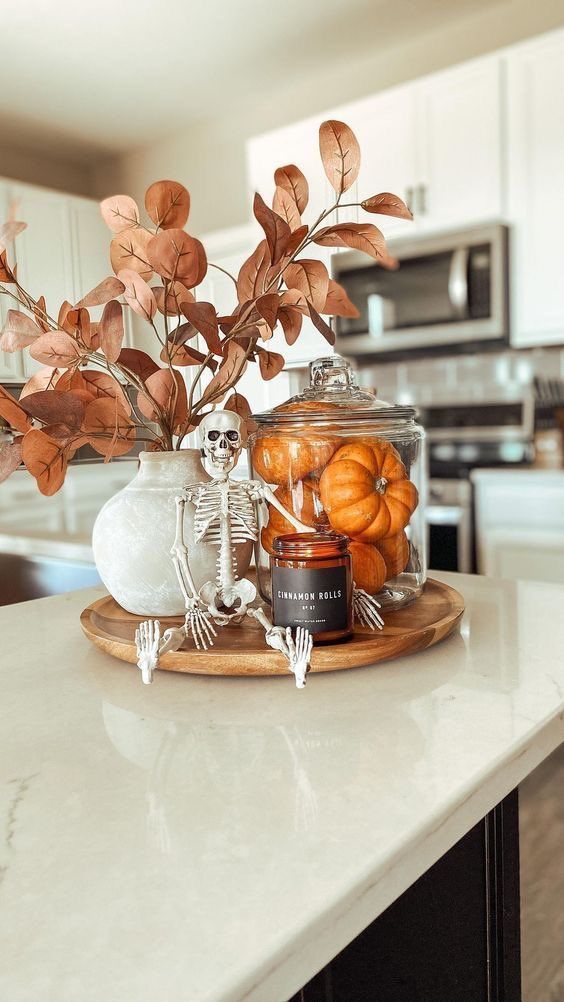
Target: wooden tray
(241,650)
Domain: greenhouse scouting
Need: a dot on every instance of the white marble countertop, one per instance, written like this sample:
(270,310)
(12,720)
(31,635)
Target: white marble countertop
(222,839)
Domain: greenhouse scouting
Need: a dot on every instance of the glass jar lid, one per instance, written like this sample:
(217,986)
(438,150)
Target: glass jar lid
(332,387)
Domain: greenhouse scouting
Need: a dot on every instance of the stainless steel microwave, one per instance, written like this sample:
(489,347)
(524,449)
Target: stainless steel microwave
(449,293)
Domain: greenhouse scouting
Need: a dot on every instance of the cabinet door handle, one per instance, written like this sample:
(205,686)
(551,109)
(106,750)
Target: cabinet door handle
(409,192)
(422,199)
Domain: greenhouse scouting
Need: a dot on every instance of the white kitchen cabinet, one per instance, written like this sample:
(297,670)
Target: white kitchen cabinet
(10,362)
(519,519)
(459,146)
(295,144)
(44,250)
(436,142)
(385,126)
(91,240)
(535,75)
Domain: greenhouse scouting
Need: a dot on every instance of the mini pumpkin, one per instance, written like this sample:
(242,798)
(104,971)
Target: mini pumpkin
(368,567)
(365,491)
(283,458)
(395,551)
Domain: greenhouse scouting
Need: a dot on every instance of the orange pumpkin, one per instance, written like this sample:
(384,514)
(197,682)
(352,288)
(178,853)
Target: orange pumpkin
(368,567)
(395,551)
(365,491)
(283,458)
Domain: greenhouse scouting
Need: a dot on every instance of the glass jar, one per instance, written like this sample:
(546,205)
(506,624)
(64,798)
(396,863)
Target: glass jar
(337,459)
(312,585)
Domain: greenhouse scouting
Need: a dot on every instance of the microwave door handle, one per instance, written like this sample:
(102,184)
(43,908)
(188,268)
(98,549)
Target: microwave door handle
(458,282)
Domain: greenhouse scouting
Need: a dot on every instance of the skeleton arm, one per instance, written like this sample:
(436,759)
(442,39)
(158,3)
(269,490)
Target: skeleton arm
(268,495)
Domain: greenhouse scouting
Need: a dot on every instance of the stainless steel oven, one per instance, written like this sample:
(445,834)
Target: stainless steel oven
(449,292)
(461,437)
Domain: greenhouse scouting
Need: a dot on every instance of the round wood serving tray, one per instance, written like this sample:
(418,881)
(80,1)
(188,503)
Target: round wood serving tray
(241,650)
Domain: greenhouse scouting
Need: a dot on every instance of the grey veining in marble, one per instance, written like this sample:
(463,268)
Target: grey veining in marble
(221,839)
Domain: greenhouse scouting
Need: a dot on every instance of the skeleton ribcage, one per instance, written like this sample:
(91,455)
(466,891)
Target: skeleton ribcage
(216,499)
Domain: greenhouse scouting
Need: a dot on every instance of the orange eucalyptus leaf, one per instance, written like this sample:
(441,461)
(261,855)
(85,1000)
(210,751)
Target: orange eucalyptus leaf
(137,294)
(129,249)
(387,205)
(119,212)
(311,278)
(176,294)
(41,380)
(340,154)
(270,363)
(9,231)
(57,349)
(108,289)
(338,303)
(10,458)
(19,331)
(321,325)
(108,428)
(293,181)
(45,459)
(230,370)
(138,362)
(52,407)
(360,236)
(101,386)
(276,229)
(168,204)
(283,204)
(111,330)
(163,386)
(176,256)
(11,411)
(39,311)
(252,276)
(267,307)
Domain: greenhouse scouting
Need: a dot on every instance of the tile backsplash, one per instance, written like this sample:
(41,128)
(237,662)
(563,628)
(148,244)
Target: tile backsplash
(480,376)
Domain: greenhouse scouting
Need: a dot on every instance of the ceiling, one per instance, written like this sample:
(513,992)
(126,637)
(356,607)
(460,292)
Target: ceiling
(103,78)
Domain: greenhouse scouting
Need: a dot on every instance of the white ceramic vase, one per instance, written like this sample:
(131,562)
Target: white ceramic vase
(135,530)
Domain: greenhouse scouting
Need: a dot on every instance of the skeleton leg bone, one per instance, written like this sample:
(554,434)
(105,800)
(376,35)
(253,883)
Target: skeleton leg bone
(197,621)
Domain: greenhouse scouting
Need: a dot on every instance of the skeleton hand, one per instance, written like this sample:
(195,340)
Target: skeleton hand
(200,624)
(300,653)
(365,608)
(147,637)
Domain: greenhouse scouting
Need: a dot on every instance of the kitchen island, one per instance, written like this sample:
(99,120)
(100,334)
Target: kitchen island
(224,839)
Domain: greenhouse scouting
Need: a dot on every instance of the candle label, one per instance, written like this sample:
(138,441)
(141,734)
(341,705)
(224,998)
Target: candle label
(316,599)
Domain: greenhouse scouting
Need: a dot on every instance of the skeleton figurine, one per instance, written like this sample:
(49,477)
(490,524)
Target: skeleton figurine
(226,512)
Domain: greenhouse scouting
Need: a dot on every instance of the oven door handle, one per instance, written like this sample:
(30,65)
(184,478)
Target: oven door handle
(458,282)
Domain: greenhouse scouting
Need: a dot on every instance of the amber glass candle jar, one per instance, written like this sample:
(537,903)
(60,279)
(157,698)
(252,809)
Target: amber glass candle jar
(312,584)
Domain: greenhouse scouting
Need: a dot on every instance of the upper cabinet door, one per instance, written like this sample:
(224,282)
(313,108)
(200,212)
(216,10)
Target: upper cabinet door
(459,142)
(296,144)
(91,240)
(536,204)
(44,250)
(90,246)
(11,363)
(385,128)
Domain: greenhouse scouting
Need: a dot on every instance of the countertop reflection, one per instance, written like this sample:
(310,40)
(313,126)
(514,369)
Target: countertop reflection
(208,838)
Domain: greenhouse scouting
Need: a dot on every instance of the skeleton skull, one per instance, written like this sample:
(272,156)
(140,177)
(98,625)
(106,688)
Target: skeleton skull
(221,440)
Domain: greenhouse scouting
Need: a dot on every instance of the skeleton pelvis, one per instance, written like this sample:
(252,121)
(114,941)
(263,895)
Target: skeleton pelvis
(230,601)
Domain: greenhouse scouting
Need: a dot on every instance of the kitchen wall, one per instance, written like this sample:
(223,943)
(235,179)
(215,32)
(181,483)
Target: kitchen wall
(478,376)
(209,158)
(34,166)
